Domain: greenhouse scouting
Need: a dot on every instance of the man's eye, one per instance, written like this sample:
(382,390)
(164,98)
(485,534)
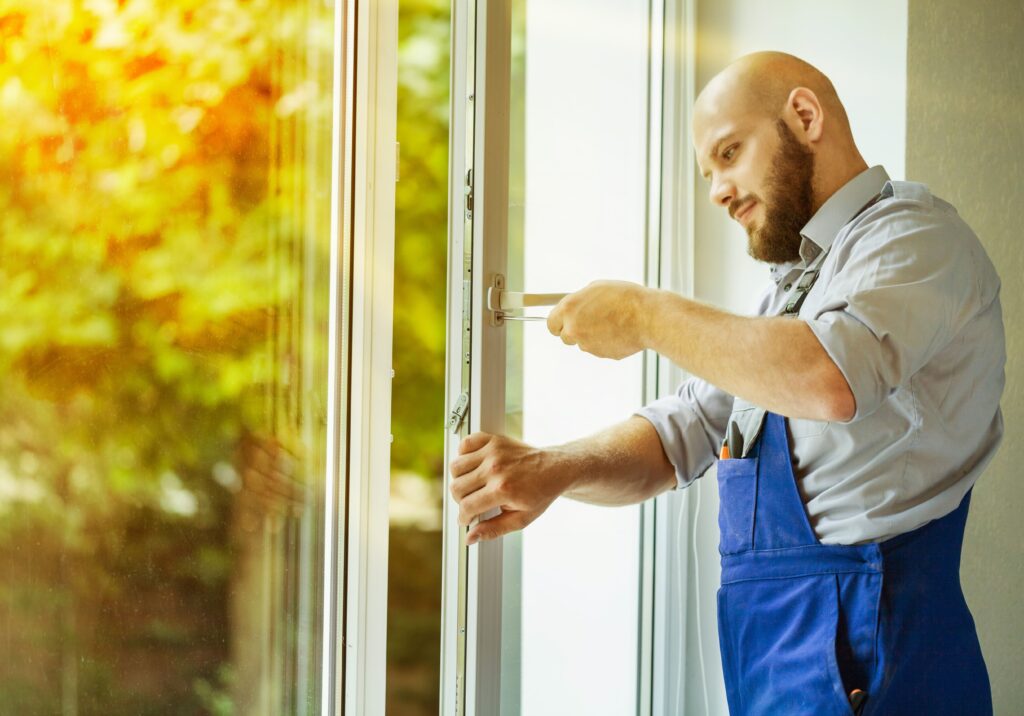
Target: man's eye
(730,152)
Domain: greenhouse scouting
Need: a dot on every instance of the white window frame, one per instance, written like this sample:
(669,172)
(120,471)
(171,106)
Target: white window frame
(674,512)
(470,655)
(359,373)
(472,629)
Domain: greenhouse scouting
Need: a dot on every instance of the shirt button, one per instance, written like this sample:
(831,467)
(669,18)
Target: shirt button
(787,287)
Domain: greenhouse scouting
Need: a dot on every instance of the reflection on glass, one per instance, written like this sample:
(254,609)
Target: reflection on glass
(577,213)
(164,241)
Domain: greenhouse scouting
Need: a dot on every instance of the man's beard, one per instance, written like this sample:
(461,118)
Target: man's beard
(790,200)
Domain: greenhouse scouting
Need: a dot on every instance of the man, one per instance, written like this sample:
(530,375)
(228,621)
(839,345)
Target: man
(851,416)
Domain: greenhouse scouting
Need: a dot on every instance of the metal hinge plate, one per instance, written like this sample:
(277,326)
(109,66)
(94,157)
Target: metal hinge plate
(458,414)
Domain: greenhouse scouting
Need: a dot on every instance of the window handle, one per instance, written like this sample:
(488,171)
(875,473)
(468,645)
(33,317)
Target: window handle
(500,301)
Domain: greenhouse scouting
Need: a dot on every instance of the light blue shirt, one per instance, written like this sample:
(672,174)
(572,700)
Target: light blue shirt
(907,305)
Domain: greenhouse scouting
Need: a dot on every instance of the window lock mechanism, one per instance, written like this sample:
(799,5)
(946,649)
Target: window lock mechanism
(500,302)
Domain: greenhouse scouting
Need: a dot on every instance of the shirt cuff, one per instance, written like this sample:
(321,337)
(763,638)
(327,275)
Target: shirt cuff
(683,438)
(860,357)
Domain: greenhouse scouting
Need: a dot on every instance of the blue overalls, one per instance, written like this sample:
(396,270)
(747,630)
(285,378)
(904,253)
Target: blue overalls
(802,624)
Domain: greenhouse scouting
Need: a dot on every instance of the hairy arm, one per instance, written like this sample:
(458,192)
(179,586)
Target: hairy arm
(622,465)
(777,363)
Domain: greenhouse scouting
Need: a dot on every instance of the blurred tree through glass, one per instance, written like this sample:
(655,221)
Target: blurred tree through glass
(164,246)
(414,570)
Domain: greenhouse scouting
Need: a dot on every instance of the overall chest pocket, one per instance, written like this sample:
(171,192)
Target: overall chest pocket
(737,490)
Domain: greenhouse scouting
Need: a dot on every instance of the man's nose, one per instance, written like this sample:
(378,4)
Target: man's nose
(722,192)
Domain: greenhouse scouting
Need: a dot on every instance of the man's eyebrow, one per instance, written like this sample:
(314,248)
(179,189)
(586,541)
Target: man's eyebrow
(714,150)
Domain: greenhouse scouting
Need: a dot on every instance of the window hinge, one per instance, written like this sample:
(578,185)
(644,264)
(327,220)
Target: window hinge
(458,414)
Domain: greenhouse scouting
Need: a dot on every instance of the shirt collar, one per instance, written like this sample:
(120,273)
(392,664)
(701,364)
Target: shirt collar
(819,233)
(842,206)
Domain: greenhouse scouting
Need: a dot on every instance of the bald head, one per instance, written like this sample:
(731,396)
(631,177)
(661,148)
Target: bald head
(760,85)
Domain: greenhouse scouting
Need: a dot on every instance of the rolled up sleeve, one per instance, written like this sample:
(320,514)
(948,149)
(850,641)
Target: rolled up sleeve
(903,289)
(691,424)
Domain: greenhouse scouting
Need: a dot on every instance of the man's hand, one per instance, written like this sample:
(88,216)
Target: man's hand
(607,319)
(494,471)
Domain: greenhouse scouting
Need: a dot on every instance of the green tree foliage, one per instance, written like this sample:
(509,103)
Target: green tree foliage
(414,561)
(137,225)
(421,237)
(162,197)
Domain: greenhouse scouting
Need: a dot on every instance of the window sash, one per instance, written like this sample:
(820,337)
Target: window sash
(471,625)
(359,411)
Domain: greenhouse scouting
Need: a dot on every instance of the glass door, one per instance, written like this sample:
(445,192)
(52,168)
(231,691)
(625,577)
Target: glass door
(165,183)
(197,205)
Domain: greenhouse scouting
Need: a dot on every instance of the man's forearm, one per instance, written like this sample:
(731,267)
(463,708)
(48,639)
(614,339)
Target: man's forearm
(622,465)
(777,363)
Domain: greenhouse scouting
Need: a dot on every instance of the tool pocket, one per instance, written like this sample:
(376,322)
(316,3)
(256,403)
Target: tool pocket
(748,419)
(737,489)
(778,641)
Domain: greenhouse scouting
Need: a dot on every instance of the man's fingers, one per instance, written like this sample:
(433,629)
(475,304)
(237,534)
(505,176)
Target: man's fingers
(465,464)
(473,442)
(497,526)
(479,502)
(467,484)
(555,319)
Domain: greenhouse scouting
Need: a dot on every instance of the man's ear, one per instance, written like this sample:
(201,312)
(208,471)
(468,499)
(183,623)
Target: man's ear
(804,105)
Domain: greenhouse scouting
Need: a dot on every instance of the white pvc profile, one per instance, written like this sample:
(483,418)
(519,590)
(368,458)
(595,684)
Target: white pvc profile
(471,625)
(359,374)
(331,661)
(452,688)
(654,235)
(372,242)
(676,273)
(490,223)
(487,387)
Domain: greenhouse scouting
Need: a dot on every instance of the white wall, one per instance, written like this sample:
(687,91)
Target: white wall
(965,139)
(861,46)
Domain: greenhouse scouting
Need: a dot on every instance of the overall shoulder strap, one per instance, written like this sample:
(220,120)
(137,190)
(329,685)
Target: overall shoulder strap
(747,420)
(803,287)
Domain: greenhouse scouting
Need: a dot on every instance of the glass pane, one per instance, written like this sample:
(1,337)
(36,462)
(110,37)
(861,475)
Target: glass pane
(577,213)
(417,453)
(164,246)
